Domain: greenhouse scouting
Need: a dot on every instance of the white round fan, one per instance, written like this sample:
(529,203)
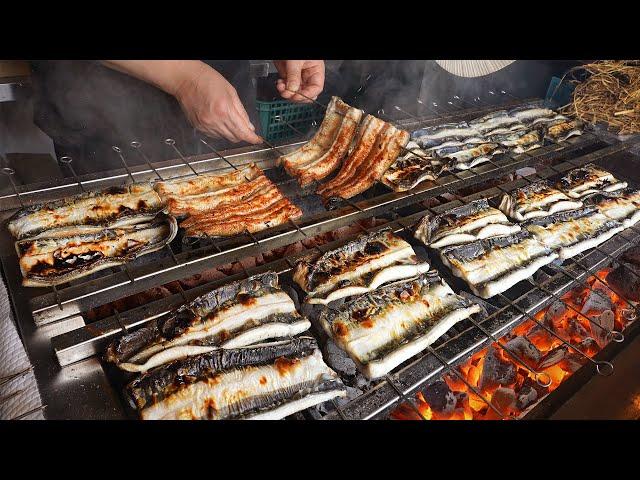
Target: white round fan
(473,68)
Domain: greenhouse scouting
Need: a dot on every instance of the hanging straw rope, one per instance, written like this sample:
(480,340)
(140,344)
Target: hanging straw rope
(611,94)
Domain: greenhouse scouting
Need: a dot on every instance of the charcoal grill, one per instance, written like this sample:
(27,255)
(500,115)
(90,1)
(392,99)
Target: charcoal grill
(65,349)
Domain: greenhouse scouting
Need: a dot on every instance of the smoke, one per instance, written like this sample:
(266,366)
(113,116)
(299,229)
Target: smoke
(86,108)
(401,83)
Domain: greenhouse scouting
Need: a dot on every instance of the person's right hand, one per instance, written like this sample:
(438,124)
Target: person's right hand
(212,106)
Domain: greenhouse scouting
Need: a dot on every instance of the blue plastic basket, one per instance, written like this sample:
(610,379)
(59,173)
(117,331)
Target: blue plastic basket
(275,115)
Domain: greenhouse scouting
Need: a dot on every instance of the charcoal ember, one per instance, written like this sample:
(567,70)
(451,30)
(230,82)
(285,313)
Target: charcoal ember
(495,371)
(555,311)
(461,398)
(596,299)
(363,383)
(206,276)
(572,362)
(525,350)
(554,356)
(440,397)
(338,359)
(504,399)
(526,397)
(576,329)
(626,278)
(587,344)
(293,249)
(606,320)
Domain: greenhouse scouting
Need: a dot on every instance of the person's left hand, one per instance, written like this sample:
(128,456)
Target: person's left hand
(304,76)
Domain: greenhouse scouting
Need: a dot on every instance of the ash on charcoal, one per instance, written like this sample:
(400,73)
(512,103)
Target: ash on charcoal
(529,393)
(576,329)
(606,320)
(338,359)
(440,397)
(351,394)
(526,396)
(524,349)
(504,399)
(596,299)
(495,371)
(555,310)
(626,278)
(572,362)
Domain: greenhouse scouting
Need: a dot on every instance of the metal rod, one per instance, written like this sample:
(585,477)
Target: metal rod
(67,161)
(118,150)
(138,148)
(403,397)
(172,143)
(9,172)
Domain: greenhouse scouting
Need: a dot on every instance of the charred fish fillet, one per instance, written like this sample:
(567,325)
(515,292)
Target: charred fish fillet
(207,182)
(366,139)
(382,329)
(570,233)
(262,382)
(234,315)
(538,199)
(531,113)
(337,272)
(437,135)
(494,265)
(562,129)
(409,171)
(52,260)
(496,120)
(112,207)
(588,180)
(390,143)
(467,223)
(621,205)
(469,156)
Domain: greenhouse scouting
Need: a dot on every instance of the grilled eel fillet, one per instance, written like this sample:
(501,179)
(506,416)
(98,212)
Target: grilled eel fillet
(311,167)
(467,223)
(494,265)
(262,382)
(207,182)
(357,267)
(365,140)
(64,256)
(410,170)
(222,225)
(111,207)
(536,200)
(388,146)
(222,190)
(573,232)
(383,328)
(234,315)
(588,180)
(621,205)
(323,153)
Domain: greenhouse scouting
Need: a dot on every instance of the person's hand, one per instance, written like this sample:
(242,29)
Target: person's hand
(212,105)
(304,76)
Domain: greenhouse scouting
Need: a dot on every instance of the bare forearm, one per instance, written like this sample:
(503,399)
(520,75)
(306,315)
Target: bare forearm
(167,75)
